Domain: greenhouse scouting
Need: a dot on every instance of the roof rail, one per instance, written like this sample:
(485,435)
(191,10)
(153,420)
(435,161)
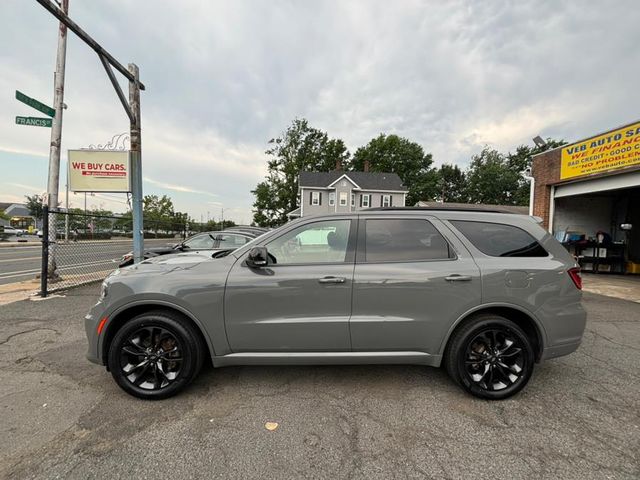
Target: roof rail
(452,209)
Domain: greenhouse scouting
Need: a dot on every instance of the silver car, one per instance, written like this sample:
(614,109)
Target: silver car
(486,295)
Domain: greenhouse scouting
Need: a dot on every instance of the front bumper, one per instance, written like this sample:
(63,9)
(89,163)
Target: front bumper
(91,321)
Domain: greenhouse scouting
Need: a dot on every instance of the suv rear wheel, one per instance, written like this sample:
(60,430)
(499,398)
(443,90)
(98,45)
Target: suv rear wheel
(155,355)
(490,357)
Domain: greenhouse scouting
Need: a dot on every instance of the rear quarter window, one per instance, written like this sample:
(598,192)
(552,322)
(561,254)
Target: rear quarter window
(500,240)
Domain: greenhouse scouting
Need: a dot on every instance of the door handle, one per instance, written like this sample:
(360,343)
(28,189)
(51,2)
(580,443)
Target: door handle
(458,278)
(332,280)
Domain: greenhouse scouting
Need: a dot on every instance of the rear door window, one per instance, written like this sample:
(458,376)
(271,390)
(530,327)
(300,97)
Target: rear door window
(500,240)
(403,240)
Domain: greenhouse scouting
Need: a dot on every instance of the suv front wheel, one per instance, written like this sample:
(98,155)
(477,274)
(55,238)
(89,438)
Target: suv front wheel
(490,357)
(155,355)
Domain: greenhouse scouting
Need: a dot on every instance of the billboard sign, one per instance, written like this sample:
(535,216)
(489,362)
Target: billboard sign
(603,153)
(99,171)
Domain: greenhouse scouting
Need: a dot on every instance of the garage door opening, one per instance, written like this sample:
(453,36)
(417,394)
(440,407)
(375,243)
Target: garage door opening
(602,229)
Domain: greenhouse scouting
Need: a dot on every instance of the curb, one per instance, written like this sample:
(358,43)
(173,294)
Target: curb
(19,244)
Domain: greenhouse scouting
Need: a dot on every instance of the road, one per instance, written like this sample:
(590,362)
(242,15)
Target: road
(62,417)
(20,263)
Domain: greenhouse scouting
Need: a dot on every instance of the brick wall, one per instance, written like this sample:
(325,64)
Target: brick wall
(546,171)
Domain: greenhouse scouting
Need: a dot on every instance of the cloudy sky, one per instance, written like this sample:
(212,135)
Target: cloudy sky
(223,77)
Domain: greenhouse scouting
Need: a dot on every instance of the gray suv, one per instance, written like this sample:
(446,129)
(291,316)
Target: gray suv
(486,295)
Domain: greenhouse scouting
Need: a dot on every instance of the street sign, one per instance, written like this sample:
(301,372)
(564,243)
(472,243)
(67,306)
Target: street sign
(33,103)
(34,121)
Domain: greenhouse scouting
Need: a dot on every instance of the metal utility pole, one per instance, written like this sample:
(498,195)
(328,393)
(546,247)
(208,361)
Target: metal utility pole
(56,135)
(66,207)
(135,164)
(131,108)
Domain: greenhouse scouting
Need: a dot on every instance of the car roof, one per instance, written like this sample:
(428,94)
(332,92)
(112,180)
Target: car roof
(241,232)
(469,214)
(245,229)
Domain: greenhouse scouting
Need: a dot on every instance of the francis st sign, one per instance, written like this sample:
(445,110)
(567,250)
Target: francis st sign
(33,103)
(34,121)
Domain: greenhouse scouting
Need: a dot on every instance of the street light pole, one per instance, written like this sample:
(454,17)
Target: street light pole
(56,135)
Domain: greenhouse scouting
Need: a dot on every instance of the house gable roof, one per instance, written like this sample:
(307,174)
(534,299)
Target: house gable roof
(363,180)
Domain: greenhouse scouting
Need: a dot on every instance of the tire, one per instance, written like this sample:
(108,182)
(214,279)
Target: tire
(481,359)
(155,355)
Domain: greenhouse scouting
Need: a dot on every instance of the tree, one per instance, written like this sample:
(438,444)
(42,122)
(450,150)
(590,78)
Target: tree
(100,221)
(124,223)
(157,212)
(451,184)
(299,148)
(391,153)
(520,161)
(490,180)
(34,205)
(4,216)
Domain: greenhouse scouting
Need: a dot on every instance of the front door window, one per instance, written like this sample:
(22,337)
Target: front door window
(318,242)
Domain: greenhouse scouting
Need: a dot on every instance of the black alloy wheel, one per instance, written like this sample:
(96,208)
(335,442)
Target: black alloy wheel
(151,358)
(490,357)
(155,355)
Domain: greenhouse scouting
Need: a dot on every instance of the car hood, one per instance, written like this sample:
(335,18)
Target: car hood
(165,249)
(166,263)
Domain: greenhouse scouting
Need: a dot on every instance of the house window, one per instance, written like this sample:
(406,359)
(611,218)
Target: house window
(386,200)
(332,198)
(343,199)
(353,199)
(366,200)
(315,198)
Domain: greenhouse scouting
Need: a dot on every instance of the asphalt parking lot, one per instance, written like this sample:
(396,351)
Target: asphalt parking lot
(62,417)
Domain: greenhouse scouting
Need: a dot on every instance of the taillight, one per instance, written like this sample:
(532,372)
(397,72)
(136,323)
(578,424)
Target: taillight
(574,273)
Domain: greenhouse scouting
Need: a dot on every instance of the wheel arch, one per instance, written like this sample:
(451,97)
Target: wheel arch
(521,317)
(131,310)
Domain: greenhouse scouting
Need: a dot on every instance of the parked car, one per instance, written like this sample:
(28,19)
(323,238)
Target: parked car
(208,241)
(485,295)
(9,230)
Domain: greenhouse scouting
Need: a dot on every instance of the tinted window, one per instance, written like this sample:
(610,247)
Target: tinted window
(204,241)
(232,241)
(499,240)
(403,240)
(318,242)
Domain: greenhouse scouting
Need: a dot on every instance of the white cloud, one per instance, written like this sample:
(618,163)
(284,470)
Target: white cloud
(177,188)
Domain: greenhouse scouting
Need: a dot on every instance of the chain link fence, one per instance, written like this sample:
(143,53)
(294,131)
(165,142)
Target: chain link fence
(88,247)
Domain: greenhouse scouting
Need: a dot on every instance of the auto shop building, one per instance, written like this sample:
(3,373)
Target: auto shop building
(588,195)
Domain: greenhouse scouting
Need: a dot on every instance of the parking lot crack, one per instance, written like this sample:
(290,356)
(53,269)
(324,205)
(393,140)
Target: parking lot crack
(10,337)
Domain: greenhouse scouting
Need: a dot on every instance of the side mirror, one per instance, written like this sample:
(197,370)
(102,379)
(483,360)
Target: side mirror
(258,257)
